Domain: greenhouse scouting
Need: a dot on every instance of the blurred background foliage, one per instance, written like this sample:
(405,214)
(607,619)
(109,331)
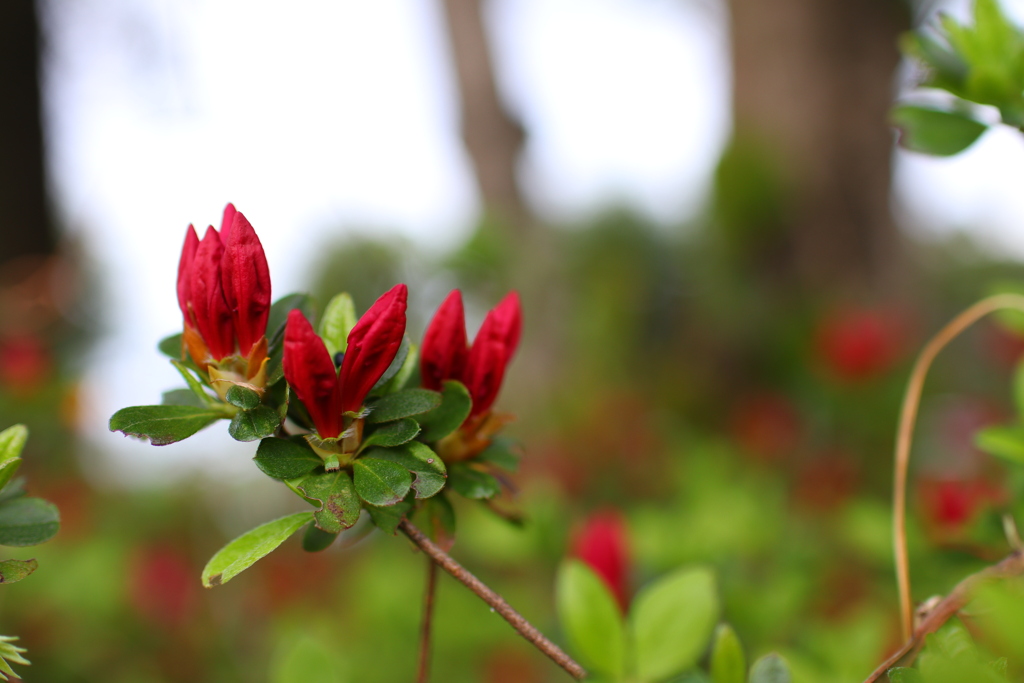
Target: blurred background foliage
(731,385)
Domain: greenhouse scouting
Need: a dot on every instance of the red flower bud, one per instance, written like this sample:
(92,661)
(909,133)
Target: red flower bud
(372,345)
(310,373)
(188,254)
(245,278)
(603,545)
(206,297)
(445,347)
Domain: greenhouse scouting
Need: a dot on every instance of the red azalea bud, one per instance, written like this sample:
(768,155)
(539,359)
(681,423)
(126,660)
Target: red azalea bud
(246,281)
(188,254)
(310,373)
(227,222)
(491,352)
(604,547)
(372,345)
(445,347)
(206,297)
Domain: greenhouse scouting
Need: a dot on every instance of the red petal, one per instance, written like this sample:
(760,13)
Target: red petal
(372,345)
(603,546)
(188,254)
(310,373)
(246,281)
(491,352)
(227,222)
(445,348)
(206,297)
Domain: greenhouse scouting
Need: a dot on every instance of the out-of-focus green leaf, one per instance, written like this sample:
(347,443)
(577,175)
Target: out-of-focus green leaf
(728,664)
(316,540)
(503,452)
(396,365)
(392,434)
(242,397)
(163,425)
(339,505)
(591,619)
(771,668)
(285,458)
(416,457)
(403,404)
(932,131)
(252,425)
(12,442)
(193,384)
(12,571)
(903,674)
(9,652)
(1018,389)
(472,483)
(1004,442)
(28,521)
(380,482)
(171,346)
(449,416)
(309,661)
(671,622)
(244,551)
(279,311)
(182,397)
(404,378)
(338,320)
(441,520)
(387,518)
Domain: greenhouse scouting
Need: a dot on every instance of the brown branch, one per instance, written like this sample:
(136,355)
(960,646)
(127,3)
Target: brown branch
(423,674)
(945,609)
(497,603)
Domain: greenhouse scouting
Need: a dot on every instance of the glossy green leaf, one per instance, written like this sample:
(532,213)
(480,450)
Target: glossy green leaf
(285,458)
(503,452)
(728,664)
(338,320)
(472,483)
(12,442)
(449,416)
(403,404)
(903,674)
(172,346)
(931,131)
(12,571)
(193,384)
(182,397)
(163,425)
(279,311)
(1004,442)
(252,425)
(423,463)
(591,619)
(242,397)
(396,365)
(244,551)
(28,521)
(316,540)
(671,622)
(771,668)
(380,482)
(388,518)
(392,434)
(407,375)
(334,492)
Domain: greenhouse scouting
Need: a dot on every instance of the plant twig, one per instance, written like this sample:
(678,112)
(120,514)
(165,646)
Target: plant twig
(945,609)
(904,436)
(423,673)
(497,603)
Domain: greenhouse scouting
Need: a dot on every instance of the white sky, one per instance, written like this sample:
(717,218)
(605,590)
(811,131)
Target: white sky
(338,112)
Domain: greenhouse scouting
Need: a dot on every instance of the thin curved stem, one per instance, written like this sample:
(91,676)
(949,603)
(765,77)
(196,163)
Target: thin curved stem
(497,603)
(423,672)
(905,432)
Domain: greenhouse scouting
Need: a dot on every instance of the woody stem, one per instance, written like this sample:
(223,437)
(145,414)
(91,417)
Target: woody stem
(497,603)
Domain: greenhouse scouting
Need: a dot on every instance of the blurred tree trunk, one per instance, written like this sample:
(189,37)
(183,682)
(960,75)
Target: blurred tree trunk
(493,138)
(25,226)
(814,81)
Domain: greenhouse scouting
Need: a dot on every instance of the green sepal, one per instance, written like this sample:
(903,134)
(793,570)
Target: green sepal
(427,467)
(392,434)
(316,540)
(253,545)
(591,619)
(455,407)
(334,493)
(401,404)
(28,521)
(388,518)
(472,483)
(12,571)
(251,425)
(381,482)
(771,668)
(164,425)
(172,346)
(936,132)
(286,458)
(728,664)
(242,397)
(338,320)
(503,452)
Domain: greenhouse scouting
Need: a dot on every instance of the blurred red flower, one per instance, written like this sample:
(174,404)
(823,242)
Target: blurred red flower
(603,544)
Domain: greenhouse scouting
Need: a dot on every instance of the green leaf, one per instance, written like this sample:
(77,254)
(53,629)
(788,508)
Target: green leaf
(503,452)
(172,346)
(8,470)
(12,442)
(403,404)
(472,483)
(163,425)
(728,665)
(671,621)
(9,652)
(12,571)
(28,521)
(771,668)
(251,425)
(338,320)
(441,518)
(387,518)
(931,131)
(316,540)
(591,619)
(380,482)
(1018,389)
(182,397)
(392,434)
(285,458)
(339,505)
(402,378)
(903,674)
(416,457)
(194,384)
(1004,442)
(396,365)
(242,397)
(244,551)
(279,311)
(456,404)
